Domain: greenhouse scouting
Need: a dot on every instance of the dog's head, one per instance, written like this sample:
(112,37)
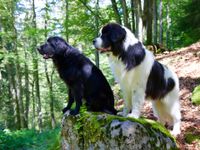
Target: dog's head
(54,46)
(110,36)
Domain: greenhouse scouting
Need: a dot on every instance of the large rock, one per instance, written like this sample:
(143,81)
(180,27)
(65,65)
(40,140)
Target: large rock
(97,131)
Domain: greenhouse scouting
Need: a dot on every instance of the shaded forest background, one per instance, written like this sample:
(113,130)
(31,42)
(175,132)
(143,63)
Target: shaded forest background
(31,93)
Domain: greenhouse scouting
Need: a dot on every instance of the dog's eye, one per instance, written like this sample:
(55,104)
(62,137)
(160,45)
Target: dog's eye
(51,45)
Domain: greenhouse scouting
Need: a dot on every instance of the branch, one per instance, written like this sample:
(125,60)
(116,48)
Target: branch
(97,15)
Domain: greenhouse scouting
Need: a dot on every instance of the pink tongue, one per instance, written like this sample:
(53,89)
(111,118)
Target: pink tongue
(104,49)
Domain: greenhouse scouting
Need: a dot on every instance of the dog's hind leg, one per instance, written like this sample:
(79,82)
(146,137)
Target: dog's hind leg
(173,105)
(168,111)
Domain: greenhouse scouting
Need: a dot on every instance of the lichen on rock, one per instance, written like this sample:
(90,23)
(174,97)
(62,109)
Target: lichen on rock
(91,131)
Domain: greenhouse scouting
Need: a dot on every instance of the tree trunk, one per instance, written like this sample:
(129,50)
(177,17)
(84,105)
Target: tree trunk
(33,105)
(115,9)
(27,91)
(125,13)
(168,26)
(139,21)
(49,78)
(155,31)
(133,15)
(50,86)
(97,29)
(35,72)
(66,20)
(160,22)
(12,93)
(147,20)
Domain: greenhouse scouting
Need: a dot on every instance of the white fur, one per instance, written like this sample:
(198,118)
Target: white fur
(130,38)
(133,84)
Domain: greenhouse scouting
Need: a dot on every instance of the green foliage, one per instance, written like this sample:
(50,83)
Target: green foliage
(190,137)
(30,140)
(185,17)
(196,96)
(193,134)
(87,125)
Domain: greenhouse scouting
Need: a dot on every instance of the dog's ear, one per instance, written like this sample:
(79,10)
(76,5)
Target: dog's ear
(58,44)
(118,34)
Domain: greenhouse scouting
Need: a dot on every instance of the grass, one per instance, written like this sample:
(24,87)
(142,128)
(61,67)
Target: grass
(196,96)
(30,140)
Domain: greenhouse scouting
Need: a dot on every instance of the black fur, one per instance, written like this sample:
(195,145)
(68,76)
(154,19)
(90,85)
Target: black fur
(83,79)
(113,35)
(133,56)
(157,86)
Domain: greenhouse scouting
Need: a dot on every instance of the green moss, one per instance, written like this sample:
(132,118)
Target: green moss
(190,137)
(149,124)
(196,96)
(87,126)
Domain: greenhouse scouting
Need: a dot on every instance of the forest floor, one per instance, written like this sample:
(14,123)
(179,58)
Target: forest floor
(186,63)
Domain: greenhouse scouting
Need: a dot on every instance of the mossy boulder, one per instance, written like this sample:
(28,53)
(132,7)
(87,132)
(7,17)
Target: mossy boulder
(92,131)
(196,96)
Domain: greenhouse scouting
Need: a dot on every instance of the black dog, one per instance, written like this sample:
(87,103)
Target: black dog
(83,79)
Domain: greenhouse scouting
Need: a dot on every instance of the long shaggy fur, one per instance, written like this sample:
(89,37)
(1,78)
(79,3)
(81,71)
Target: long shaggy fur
(140,76)
(83,79)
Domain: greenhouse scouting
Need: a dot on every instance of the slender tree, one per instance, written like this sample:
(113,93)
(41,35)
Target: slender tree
(133,15)
(155,22)
(160,22)
(66,20)
(97,28)
(139,4)
(116,11)
(35,68)
(125,13)
(49,77)
(168,19)
(147,20)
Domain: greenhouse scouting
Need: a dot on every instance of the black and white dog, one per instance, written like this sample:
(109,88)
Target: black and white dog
(140,76)
(83,79)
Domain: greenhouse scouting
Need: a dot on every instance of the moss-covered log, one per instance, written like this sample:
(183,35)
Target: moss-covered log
(89,131)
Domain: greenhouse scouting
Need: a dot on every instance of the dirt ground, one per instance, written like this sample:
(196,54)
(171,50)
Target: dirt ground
(186,63)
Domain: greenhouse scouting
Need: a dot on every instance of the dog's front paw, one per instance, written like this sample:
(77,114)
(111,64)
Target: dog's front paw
(73,112)
(121,114)
(175,133)
(133,115)
(124,113)
(65,110)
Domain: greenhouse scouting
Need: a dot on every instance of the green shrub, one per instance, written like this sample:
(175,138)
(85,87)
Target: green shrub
(196,95)
(30,140)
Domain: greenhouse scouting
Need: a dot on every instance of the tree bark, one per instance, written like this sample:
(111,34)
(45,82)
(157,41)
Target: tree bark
(125,13)
(48,77)
(160,22)
(139,21)
(66,20)
(35,72)
(133,16)
(27,91)
(155,31)
(97,30)
(147,19)
(168,26)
